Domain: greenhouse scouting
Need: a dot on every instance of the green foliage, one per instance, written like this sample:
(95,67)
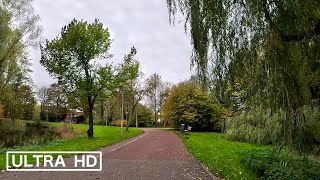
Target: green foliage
(238,160)
(53,103)
(56,96)
(272,164)
(7,126)
(18,30)
(264,127)
(255,127)
(20,102)
(269,47)
(1,111)
(53,113)
(96,122)
(144,115)
(113,111)
(188,104)
(26,102)
(36,113)
(71,56)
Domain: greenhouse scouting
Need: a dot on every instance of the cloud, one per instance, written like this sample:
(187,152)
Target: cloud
(162,48)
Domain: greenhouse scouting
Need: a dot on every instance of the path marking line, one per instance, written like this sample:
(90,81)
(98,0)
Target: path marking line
(129,142)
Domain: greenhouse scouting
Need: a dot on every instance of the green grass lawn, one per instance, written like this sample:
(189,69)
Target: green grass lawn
(220,155)
(103,136)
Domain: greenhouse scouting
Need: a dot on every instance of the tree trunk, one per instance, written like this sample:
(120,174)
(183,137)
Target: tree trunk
(155,105)
(90,113)
(102,111)
(128,123)
(13,115)
(133,109)
(128,117)
(137,118)
(47,114)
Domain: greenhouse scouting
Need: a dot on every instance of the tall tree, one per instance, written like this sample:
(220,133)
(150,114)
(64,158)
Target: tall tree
(56,103)
(20,102)
(130,69)
(26,102)
(257,53)
(164,91)
(131,83)
(72,59)
(42,95)
(135,93)
(18,29)
(153,83)
(56,95)
(271,44)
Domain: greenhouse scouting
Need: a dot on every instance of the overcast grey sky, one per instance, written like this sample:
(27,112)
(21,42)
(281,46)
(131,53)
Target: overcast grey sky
(162,48)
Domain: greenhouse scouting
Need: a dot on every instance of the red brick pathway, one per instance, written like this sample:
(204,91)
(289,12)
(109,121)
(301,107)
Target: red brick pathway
(156,154)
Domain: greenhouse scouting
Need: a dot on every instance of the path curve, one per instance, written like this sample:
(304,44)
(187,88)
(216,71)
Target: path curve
(156,154)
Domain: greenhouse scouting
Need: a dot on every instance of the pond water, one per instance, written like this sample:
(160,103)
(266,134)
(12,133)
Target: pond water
(28,133)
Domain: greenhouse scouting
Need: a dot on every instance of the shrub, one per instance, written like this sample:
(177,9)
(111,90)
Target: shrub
(7,126)
(312,117)
(188,104)
(118,123)
(284,164)
(36,113)
(66,131)
(95,122)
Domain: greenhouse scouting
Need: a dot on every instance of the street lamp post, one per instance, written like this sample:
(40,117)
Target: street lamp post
(127,118)
(121,113)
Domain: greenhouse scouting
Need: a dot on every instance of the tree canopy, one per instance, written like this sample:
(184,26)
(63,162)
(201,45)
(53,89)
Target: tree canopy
(258,57)
(188,104)
(266,50)
(19,29)
(73,57)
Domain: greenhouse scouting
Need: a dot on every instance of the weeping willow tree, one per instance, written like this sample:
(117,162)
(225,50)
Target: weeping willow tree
(256,53)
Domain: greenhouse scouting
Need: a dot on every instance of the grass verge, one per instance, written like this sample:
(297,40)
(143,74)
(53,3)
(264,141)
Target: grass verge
(239,160)
(103,136)
(223,157)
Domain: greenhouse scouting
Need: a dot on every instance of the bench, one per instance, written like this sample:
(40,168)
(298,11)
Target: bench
(186,131)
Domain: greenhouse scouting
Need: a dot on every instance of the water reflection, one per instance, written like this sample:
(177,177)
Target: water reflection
(28,133)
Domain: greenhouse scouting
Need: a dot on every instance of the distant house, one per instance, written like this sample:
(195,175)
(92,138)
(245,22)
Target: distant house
(75,116)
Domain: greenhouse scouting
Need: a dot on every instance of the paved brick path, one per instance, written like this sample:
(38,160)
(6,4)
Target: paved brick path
(156,154)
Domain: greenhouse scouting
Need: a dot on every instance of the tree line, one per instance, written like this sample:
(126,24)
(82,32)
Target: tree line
(78,59)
